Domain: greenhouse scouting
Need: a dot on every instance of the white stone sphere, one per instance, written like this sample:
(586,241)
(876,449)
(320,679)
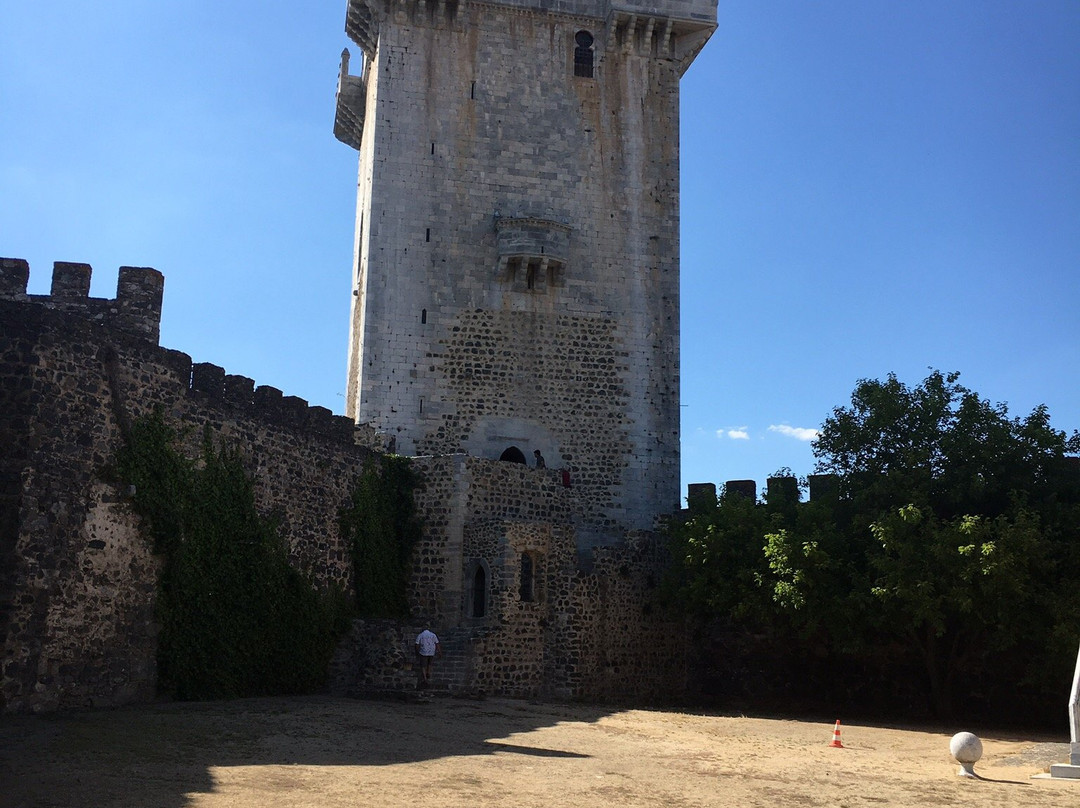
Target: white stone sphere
(966,748)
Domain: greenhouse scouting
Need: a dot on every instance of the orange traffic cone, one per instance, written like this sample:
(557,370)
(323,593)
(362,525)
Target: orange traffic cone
(836,736)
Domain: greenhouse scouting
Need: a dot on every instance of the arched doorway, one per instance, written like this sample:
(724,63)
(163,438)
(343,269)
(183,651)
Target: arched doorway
(513,455)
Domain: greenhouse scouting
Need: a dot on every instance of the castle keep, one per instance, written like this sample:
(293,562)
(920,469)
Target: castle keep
(516,295)
(515,290)
(516,277)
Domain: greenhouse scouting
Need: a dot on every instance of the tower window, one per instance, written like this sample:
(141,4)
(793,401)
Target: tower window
(526,589)
(477,595)
(583,54)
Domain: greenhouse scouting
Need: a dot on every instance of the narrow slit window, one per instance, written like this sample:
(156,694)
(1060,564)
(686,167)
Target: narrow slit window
(423,317)
(427,236)
(527,573)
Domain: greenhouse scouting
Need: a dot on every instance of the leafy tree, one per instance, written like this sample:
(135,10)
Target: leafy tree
(952,545)
(948,504)
(717,557)
(940,445)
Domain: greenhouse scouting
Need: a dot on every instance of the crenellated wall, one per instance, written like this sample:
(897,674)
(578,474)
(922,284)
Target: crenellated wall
(819,486)
(77,580)
(136,309)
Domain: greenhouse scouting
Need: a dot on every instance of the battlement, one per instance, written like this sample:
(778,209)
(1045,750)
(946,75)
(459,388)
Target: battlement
(136,309)
(821,487)
(674,29)
(687,12)
(212,384)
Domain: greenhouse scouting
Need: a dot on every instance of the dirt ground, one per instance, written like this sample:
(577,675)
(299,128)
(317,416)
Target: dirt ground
(443,753)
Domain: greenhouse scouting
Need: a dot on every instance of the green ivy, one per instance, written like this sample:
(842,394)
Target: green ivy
(236,619)
(381,528)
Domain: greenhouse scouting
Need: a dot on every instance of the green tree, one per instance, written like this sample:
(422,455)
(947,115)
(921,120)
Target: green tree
(950,549)
(717,560)
(949,511)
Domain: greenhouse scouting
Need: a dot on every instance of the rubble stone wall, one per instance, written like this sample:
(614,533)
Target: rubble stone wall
(77,579)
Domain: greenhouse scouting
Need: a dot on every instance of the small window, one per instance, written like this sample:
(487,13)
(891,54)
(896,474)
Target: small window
(528,576)
(583,54)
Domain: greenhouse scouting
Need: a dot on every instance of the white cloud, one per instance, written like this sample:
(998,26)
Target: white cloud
(797,432)
(738,433)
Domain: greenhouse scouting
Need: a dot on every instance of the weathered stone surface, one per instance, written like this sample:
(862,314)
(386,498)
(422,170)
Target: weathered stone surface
(555,331)
(568,633)
(517,278)
(136,310)
(77,576)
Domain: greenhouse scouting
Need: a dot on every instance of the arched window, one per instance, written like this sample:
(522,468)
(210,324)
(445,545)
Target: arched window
(583,54)
(478,605)
(513,455)
(528,576)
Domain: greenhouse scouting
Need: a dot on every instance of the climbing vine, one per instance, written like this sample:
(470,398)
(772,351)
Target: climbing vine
(236,619)
(381,528)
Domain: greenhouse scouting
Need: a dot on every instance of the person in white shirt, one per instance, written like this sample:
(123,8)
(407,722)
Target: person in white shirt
(427,647)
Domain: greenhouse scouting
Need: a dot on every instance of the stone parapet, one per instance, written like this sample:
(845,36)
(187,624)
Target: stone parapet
(136,309)
(77,572)
(665,29)
(207,382)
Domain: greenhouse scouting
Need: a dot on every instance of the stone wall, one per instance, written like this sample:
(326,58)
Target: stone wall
(584,624)
(77,580)
(469,338)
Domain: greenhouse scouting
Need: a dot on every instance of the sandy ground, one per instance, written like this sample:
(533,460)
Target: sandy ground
(443,753)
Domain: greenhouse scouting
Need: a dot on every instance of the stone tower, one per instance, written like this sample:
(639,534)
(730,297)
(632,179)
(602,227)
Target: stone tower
(516,275)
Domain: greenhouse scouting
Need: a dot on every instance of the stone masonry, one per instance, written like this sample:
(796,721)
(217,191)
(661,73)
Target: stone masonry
(515,289)
(516,268)
(499,577)
(77,577)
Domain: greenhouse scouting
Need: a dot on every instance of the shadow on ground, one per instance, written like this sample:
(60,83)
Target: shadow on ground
(154,756)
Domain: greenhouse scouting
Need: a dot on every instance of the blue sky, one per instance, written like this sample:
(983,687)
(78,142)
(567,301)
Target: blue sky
(868,187)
